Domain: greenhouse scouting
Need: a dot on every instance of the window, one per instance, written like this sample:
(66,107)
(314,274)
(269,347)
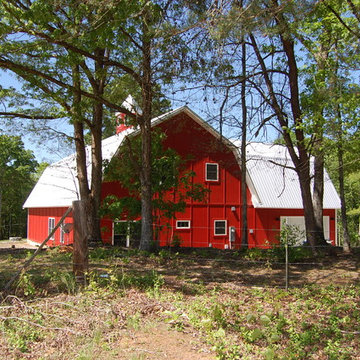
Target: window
(212,172)
(51,225)
(183,224)
(62,235)
(220,227)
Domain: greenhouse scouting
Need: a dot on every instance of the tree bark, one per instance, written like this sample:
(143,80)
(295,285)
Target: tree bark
(297,150)
(145,130)
(244,231)
(96,148)
(78,123)
(340,144)
(318,197)
(81,250)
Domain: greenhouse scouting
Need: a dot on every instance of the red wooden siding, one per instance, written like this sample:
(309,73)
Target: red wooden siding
(38,220)
(193,142)
(265,224)
(198,147)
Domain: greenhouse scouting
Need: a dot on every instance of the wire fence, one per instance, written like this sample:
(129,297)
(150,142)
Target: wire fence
(187,269)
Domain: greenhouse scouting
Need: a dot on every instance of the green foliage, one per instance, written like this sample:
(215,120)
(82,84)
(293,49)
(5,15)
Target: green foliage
(16,168)
(292,237)
(168,177)
(350,147)
(117,279)
(65,282)
(25,285)
(20,334)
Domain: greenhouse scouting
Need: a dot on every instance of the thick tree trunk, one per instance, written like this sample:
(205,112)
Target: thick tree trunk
(318,197)
(145,128)
(346,242)
(97,83)
(96,175)
(78,123)
(146,191)
(309,214)
(297,150)
(313,221)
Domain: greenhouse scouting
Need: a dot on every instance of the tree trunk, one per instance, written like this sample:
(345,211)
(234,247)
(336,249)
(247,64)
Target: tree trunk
(96,148)
(298,151)
(96,175)
(81,251)
(78,123)
(244,232)
(346,242)
(145,129)
(318,196)
(309,214)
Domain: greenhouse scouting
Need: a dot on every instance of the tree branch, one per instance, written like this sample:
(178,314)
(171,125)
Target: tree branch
(28,116)
(22,71)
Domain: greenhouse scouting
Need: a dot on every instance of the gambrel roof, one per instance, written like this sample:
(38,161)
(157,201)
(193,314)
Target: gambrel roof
(271,184)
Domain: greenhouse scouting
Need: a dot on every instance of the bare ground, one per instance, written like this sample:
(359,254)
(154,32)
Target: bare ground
(132,325)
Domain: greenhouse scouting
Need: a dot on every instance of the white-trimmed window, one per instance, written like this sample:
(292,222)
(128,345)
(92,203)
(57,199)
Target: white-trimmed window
(51,225)
(220,227)
(211,172)
(183,224)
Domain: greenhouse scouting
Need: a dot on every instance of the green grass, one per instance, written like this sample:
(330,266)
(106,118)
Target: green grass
(127,289)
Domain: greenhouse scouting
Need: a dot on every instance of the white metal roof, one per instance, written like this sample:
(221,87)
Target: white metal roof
(58,185)
(271,185)
(277,185)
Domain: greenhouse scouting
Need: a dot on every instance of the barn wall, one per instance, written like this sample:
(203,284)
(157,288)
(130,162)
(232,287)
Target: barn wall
(266,225)
(38,225)
(193,142)
(223,202)
(197,146)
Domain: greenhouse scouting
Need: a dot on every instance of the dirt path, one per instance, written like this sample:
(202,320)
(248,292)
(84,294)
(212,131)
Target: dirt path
(15,244)
(161,343)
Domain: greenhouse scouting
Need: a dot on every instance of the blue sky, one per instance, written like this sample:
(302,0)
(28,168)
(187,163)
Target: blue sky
(45,150)
(52,150)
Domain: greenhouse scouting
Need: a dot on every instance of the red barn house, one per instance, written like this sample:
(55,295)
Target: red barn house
(273,194)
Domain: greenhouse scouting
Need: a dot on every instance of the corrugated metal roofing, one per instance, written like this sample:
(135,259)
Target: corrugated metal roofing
(58,185)
(277,185)
(272,185)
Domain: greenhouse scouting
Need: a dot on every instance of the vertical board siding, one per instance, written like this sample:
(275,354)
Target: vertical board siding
(197,146)
(38,225)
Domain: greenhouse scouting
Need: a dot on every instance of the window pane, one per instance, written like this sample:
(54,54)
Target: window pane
(212,172)
(51,225)
(183,224)
(220,227)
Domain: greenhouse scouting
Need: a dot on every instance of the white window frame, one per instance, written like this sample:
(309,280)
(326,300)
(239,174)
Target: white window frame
(51,226)
(62,235)
(206,172)
(225,227)
(183,227)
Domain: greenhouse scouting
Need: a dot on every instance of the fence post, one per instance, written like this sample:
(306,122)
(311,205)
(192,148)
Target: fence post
(80,250)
